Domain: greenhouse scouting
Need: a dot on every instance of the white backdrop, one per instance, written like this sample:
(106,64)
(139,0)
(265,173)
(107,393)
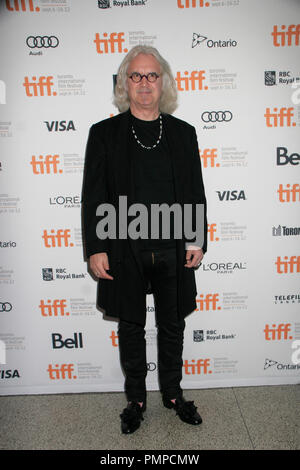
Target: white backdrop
(237,68)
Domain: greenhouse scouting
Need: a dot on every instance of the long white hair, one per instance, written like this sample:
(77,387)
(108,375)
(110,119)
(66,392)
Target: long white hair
(168,99)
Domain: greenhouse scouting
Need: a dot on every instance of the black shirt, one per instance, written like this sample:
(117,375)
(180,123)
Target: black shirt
(153,176)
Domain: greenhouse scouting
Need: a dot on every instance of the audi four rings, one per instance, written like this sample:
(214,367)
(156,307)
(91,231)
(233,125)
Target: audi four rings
(5,307)
(42,41)
(216,116)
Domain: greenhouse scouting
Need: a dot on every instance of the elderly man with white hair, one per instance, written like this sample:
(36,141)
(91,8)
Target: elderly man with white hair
(152,158)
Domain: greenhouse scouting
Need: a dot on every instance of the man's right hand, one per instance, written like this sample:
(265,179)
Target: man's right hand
(99,265)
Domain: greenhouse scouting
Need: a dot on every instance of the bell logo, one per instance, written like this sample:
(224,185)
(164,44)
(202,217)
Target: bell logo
(277,333)
(286,38)
(114,339)
(279,119)
(289,195)
(57,239)
(209,156)
(45,165)
(40,87)
(211,229)
(25,5)
(55,308)
(194,81)
(110,45)
(209,302)
(288,265)
(282,157)
(196,367)
(192,3)
(61,372)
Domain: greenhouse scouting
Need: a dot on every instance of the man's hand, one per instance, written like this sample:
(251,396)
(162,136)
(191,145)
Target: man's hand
(194,258)
(99,265)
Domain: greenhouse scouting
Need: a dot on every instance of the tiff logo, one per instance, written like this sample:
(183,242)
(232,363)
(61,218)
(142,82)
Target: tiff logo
(54,308)
(211,230)
(279,119)
(25,5)
(194,81)
(45,165)
(57,239)
(209,302)
(289,195)
(61,372)
(277,332)
(114,339)
(44,85)
(199,367)
(288,264)
(110,45)
(192,3)
(286,38)
(209,156)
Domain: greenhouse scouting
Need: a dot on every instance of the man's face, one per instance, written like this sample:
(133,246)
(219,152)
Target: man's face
(144,95)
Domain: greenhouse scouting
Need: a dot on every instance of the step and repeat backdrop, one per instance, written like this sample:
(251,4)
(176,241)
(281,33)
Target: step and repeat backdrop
(236,65)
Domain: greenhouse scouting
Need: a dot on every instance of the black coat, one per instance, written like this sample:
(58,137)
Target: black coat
(108,174)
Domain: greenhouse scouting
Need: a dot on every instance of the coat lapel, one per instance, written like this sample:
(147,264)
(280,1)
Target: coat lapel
(124,175)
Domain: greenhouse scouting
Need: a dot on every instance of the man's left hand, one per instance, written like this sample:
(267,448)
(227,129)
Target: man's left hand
(193,258)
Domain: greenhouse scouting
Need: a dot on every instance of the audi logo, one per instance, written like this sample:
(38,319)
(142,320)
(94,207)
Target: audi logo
(5,307)
(216,116)
(151,366)
(42,41)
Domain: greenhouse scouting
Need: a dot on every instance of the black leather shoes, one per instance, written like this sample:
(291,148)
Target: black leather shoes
(186,410)
(131,417)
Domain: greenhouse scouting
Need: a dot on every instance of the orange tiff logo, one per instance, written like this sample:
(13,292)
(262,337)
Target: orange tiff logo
(42,87)
(289,194)
(194,367)
(111,44)
(54,308)
(22,5)
(288,265)
(114,339)
(208,302)
(211,230)
(45,165)
(63,371)
(280,118)
(192,3)
(277,332)
(209,156)
(57,238)
(286,38)
(191,81)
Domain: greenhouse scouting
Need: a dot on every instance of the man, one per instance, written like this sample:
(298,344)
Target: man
(150,157)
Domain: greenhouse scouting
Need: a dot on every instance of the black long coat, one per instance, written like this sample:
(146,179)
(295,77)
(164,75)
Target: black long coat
(108,174)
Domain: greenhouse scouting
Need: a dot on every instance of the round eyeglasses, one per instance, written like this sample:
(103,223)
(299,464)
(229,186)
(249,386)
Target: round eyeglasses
(137,77)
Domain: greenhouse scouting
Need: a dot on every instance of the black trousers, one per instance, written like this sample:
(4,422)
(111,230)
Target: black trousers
(160,269)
